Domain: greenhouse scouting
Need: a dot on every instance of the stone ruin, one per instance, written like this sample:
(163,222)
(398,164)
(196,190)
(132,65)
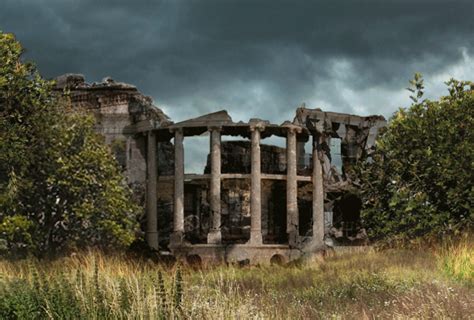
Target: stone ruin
(254,203)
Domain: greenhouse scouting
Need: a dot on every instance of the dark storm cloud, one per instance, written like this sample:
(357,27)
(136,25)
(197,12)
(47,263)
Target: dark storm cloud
(256,58)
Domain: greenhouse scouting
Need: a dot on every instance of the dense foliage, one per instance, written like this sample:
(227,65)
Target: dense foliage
(420,179)
(60,187)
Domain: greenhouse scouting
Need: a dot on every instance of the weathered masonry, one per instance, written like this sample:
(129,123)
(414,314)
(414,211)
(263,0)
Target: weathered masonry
(254,202)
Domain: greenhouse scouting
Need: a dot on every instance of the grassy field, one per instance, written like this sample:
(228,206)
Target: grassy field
(436,283)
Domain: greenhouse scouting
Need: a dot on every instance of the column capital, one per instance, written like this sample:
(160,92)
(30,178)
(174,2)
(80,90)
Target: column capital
(292,128)
(174,130)
(214,128)
(257,124)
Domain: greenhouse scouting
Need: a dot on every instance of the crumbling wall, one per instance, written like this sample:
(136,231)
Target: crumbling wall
(274,211)
(357,136)
(235,205)
(305,208)
(165,208)
(117,107)
(165,159)
(235,158)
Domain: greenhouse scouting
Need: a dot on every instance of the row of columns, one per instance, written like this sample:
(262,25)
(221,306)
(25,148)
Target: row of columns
(214,235)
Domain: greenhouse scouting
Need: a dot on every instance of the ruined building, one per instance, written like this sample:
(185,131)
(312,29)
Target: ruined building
(253,202)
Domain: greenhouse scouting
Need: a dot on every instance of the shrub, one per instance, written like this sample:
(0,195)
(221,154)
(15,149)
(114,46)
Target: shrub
(60,186)
(419,182)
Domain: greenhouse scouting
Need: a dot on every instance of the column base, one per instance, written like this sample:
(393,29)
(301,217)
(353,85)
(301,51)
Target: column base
(318,239)
(214,237)
(255,237)
(293,238)
(177,238)
(312,246)
(152,240)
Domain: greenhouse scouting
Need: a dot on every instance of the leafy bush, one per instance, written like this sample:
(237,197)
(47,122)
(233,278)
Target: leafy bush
(420,179)
(60,186)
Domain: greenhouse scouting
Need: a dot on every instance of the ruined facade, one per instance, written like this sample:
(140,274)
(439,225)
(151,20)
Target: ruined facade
(253,202)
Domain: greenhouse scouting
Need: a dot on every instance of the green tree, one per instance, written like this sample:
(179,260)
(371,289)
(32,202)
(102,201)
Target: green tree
(420,180)
(60,186)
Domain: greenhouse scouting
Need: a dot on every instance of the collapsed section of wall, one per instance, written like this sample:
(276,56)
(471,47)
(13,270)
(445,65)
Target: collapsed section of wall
(117,107)
(349,137)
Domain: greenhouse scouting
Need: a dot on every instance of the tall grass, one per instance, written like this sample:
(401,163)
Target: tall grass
(374,284)
(456,259)
(90,286)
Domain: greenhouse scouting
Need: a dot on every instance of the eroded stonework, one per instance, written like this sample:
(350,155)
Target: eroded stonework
(253,203)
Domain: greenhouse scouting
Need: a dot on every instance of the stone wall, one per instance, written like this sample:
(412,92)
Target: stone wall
(236,158)
(117,107)
(124,116)
(235,204)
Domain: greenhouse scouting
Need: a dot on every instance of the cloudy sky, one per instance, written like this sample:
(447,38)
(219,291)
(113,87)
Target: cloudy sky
(254,58)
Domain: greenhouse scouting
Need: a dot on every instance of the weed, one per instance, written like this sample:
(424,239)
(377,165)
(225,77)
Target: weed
(393,283)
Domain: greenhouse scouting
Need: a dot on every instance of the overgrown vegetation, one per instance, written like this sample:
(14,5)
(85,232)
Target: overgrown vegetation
(60,186)
(389,284)
(456,259)
(419,182)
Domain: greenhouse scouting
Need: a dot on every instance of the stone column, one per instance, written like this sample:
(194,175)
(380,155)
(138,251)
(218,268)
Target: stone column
(318,194)
(214,236)
(151,210)
(255,191)
(291,186)
(178,217)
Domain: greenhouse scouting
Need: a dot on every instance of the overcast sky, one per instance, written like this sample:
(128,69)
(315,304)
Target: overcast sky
(254,58)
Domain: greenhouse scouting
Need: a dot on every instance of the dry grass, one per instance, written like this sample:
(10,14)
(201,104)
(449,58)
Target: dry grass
(391,284)
(456,258)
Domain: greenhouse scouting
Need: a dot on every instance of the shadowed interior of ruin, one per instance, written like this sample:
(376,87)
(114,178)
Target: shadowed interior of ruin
(235,199)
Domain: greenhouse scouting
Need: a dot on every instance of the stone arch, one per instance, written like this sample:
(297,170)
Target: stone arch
(277,259)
